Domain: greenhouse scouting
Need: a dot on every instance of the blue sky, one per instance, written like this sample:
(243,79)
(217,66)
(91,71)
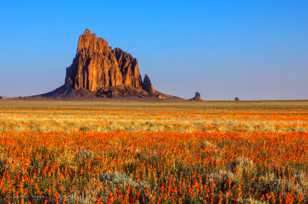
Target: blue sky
(253,49)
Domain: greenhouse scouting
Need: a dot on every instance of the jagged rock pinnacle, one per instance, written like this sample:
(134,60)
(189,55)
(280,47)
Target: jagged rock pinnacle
(100,71)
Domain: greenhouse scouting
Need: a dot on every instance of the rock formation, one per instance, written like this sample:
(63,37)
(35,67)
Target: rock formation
(197,97)
(100,71)
(147,85)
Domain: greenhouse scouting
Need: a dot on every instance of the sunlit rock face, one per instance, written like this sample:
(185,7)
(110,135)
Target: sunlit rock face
(95,66)
(100,71)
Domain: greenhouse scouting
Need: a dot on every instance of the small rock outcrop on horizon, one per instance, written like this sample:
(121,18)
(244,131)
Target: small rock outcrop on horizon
(197,97)
(100,71)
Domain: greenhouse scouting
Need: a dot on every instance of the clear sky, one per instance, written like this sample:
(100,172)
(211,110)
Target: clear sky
(253,49)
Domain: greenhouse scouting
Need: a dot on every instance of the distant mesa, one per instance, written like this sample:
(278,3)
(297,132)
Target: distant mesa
(197,97)
(100,71)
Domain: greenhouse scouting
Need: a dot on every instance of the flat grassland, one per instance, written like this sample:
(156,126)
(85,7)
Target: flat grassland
(117,151)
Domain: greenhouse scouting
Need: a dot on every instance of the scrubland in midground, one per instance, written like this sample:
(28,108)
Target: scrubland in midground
(153,152)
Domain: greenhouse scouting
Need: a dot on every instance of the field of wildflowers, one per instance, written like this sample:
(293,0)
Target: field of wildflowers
(153,152)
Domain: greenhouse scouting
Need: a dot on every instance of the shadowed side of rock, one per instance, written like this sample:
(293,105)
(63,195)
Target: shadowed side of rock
(197,97)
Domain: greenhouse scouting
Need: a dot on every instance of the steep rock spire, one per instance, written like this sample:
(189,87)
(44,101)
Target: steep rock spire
(98,70)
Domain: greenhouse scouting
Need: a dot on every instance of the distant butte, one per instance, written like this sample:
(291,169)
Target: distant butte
(100,71)
(197,97)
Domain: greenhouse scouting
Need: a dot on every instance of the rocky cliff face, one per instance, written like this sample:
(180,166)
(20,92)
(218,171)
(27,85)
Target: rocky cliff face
(129,68)
(96,66)
(100,71)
